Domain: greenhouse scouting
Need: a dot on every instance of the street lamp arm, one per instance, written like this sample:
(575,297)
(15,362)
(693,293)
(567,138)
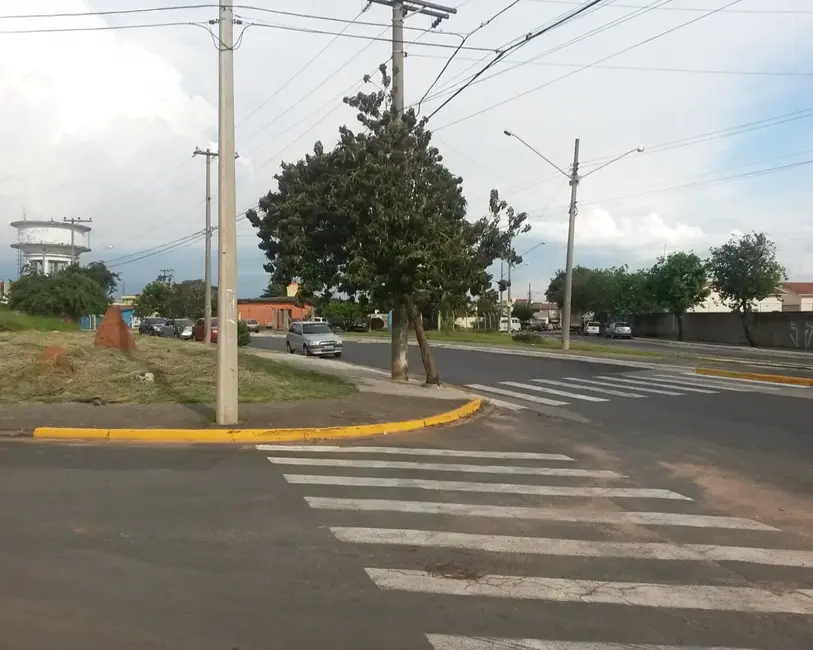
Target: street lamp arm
(616,159)
(510,134)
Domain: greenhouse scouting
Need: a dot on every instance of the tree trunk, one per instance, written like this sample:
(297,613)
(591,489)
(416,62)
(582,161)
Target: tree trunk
(426,353)
(746,328)
(680,326)
(400,341)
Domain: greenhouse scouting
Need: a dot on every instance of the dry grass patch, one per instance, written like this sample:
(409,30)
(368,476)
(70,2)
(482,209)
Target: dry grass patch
(183,372)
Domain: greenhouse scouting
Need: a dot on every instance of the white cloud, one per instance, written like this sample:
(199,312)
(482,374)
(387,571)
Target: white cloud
(103,124)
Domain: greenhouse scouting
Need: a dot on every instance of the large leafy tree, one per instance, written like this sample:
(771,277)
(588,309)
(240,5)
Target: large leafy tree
(67,294)
(679,282)
(744,271)
(380,215)
(98,272)
(155,298)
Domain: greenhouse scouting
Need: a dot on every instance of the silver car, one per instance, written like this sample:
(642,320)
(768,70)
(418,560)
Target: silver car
(618,330)
(313,339)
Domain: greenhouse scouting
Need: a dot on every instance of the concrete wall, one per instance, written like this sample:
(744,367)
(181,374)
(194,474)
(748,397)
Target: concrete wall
(792,330)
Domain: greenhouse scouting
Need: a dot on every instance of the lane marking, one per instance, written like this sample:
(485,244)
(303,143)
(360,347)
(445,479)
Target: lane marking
(770,385)
(574,547)
(639,389)
(591,389)
(448,642)
(638,382)
(691,381)
(543,514)
(446,467)
(409,451)
(504,405)
(634,594)
(553,391)
(515,395)
(502,488)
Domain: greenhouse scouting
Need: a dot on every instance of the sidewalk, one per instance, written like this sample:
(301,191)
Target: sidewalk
(379,406)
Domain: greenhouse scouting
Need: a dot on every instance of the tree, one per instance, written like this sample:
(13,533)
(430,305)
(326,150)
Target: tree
(99,272)
(744,271)
(523,311)
(276,289)
(189,299)
(678,283)
(381,216)
(155,298)
(66,294)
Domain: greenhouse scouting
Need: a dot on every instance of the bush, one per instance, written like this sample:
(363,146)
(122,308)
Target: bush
(525,337)
(243,335)
(12,321)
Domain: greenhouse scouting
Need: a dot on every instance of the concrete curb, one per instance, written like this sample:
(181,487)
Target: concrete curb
(211,436)
(753,376)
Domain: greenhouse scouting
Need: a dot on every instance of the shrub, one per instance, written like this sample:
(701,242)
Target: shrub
(525,337)
(243,335)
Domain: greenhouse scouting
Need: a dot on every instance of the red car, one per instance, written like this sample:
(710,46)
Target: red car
(198,330)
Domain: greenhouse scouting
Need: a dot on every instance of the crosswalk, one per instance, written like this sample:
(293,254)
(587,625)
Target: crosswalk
(563,512)
(604,388)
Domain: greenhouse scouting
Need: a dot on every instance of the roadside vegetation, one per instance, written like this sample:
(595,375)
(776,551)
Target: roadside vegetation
(13,321)
(158,371)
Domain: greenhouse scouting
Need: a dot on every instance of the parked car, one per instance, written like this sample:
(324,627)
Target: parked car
(179,328)
(253,325)
(313,339)
(593,328)
(152,326)
(198,330)
(516,326)
(618,331)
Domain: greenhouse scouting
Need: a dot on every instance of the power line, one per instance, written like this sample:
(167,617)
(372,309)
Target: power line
(534,61)
(100,28)
(459,47)
(614,23)
(310,30)
(590,4)
(110,12)
(298,72)
(692,9)
(585,67)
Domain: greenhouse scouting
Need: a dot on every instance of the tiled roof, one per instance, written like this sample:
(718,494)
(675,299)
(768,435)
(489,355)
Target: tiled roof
(800,288)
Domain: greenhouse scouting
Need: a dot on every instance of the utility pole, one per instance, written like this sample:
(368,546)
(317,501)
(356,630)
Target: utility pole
(529,294)
(207,272)
(226,409)
(72,221)
(571,235)
(400,320)
(166,275)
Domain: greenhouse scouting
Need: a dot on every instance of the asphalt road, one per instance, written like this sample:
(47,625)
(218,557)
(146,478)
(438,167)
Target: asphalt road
(202,548)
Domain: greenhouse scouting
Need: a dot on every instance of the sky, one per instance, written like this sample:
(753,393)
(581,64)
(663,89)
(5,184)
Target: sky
(102,124)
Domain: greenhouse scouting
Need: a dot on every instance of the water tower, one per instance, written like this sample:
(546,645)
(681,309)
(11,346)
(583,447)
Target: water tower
(49,246)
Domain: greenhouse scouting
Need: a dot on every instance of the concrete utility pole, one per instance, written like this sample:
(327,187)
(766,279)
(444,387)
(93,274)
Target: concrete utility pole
(72,221)
(400,319)
(166,275)
(207,272)
(574,179)
(571,236)
(226,408)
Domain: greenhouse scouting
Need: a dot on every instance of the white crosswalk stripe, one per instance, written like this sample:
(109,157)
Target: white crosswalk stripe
(590,389)
(650,382)
(596,507)
(448,642)
(612,383)
(553,391)
(512,393)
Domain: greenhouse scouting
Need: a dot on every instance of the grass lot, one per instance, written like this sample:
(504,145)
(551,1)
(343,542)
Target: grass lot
(502,339)
(184,372)
(11,321)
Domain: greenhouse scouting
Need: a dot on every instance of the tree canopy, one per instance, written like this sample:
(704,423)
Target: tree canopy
(679,282)
(70,293)
(380,215)
(745,270)
(185,299)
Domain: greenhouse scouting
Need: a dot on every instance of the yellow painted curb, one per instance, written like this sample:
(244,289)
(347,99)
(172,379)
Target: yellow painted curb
(258,435)
(753,376)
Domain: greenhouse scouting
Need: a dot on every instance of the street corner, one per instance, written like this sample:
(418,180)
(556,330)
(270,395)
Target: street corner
(256,435)
(789,380)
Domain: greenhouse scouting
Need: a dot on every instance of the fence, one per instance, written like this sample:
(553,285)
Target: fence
(792,330)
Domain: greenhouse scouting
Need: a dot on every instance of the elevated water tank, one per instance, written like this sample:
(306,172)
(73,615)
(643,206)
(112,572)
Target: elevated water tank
(47,246)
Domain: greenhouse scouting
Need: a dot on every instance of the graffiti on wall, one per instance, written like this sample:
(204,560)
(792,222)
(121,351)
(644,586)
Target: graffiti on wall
(801,338)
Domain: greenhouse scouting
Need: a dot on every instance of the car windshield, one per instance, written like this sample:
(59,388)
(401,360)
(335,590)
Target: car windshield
(621,325)
(183,322)
(251,322)
(592,324)
(156,321)
(316,328)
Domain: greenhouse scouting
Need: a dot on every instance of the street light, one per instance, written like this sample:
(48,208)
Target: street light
(574,179)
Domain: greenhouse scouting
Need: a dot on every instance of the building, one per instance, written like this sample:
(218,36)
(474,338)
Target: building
(797,296)
(49,246)
(273,313)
